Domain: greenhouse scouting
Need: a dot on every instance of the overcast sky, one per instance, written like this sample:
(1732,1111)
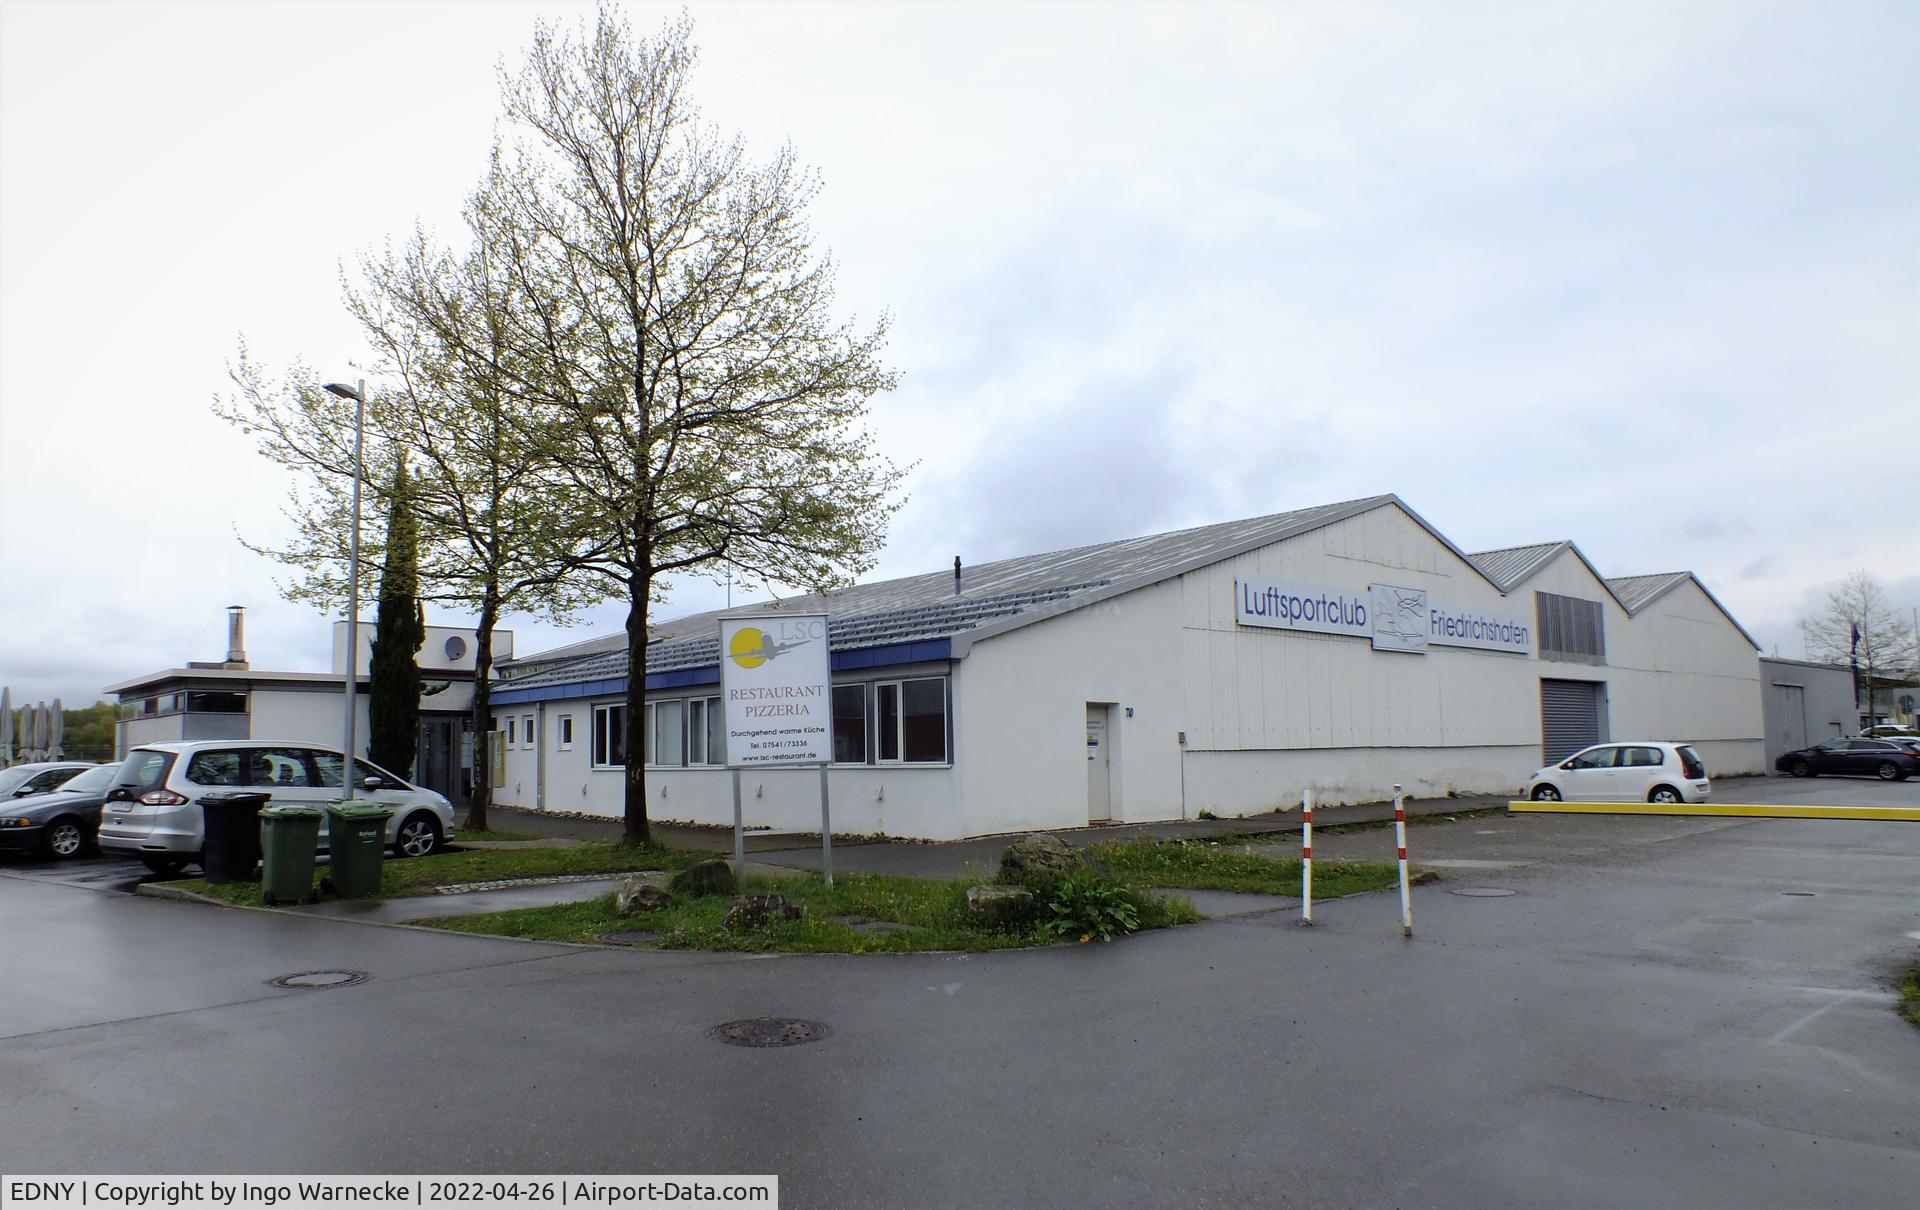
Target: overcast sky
(1641,275)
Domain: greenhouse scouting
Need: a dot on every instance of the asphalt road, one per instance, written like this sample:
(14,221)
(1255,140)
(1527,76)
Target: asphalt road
(1699,1016)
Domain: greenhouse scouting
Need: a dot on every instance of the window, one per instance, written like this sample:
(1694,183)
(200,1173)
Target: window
(326,767)
(1599,758)
(609,736)
(1571,628)
(706,732)
(526,731)
(912,718)
(208,701)
(849,724)
(222,767)
(566,733)
(511,732)
(271,767)
(1644,758)
(668,734)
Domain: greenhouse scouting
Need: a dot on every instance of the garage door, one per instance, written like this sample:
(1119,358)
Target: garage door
(1569,717)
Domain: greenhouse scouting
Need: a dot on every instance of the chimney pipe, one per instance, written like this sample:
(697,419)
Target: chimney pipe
(236,636)
(956,575)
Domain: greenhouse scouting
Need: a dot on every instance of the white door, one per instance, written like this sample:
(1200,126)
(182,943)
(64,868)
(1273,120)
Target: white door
(1099,766)
(1590,776)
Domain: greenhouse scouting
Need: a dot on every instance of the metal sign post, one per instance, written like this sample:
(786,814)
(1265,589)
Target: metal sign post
(826,828)
(776,691)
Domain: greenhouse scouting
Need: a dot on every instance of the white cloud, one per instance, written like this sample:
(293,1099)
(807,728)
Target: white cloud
(1634,275)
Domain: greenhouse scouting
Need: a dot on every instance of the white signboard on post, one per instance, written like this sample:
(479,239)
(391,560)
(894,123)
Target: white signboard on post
(776,690)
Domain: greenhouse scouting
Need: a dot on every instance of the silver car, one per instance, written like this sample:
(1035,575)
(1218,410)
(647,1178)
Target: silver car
(153,811)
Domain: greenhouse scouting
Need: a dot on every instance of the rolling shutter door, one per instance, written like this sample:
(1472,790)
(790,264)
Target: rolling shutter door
(1569,717)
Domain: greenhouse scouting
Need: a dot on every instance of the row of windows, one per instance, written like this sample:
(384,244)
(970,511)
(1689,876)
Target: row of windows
(889,722)
(192,701)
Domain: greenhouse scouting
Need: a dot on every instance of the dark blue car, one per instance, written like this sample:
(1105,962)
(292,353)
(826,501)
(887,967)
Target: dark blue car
(59,823)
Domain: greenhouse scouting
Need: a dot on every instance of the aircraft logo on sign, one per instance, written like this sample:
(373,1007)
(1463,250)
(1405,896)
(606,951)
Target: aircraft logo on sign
(752,647)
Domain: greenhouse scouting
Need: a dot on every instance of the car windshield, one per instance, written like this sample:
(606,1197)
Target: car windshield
(93,780)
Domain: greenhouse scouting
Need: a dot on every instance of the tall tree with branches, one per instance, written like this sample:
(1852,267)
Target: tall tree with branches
(493,537)
(399,628)
(1861,627)
(683,376)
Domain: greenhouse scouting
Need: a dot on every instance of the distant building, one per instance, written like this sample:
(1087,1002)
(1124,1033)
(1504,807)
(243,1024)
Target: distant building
(1805,704)
(1223,668)
(229,699)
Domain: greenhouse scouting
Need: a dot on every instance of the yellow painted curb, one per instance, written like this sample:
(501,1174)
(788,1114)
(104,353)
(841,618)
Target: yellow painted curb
(1751,810)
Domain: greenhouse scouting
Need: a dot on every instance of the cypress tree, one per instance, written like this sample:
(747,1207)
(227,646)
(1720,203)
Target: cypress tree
(399,628)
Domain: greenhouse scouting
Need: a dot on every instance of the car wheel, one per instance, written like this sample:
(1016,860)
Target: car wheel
(1665,794)
(419,836)
(1801,768)
(64,838)
(1545,794)
(1889,771)
(166,867)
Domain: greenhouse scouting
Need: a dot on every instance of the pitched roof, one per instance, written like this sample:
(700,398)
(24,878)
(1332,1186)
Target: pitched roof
(1636,592)
(1510,565)
(995,597)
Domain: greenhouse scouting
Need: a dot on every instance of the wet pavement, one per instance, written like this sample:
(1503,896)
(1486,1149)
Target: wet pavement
(1689,1017)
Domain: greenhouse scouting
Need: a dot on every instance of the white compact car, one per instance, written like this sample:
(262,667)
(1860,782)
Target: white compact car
(153,811)
(1639,770)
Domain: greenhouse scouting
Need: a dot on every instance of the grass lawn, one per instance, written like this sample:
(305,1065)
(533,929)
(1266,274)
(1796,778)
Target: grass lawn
(1202,866)
(936,909)
(419,875)
(1910,996)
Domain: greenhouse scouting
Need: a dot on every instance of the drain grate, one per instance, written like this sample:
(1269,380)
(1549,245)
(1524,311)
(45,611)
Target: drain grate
(319,980)
(1483,892)
(768,1031)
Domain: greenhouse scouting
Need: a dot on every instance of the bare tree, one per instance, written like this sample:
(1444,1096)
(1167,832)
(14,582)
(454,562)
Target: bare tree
(672,340)
(1860,626)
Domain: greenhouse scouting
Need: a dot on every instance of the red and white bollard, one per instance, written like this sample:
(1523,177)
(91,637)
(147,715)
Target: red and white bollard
(1400,841)
(1306,861)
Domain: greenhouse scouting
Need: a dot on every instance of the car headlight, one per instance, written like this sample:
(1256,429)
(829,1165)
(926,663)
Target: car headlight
(19,822)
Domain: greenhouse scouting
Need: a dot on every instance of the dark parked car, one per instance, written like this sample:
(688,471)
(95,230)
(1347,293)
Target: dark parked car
(18,781)
(1885,759)
(61,822)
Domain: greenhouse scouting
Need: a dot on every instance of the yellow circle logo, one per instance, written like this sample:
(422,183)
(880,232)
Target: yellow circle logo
(749,647)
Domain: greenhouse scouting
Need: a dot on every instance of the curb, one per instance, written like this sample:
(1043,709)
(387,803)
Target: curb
(1724,810)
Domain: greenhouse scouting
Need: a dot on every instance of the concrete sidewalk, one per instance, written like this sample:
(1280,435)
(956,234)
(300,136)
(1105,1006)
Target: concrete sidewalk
(977,857)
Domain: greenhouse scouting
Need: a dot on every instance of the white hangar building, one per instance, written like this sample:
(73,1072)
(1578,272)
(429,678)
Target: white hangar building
(1223,668)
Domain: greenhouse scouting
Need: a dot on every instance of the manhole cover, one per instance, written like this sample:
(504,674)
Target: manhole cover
(642,937)
(312,980)
(768,1031)
(1482,892)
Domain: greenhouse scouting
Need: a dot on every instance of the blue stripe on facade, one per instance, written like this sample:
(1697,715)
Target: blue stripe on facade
(843,661)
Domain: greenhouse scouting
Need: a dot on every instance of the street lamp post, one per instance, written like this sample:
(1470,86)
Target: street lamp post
(358,394)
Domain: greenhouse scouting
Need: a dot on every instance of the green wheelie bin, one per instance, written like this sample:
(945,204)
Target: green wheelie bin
(289,834)
(357,840)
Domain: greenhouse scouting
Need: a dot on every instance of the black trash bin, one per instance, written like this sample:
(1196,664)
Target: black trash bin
(230,847)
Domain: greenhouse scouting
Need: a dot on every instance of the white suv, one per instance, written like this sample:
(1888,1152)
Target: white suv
(1639,770)
(153,812)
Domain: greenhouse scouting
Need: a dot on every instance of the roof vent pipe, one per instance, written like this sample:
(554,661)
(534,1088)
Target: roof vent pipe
(956,575)
(237,636)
